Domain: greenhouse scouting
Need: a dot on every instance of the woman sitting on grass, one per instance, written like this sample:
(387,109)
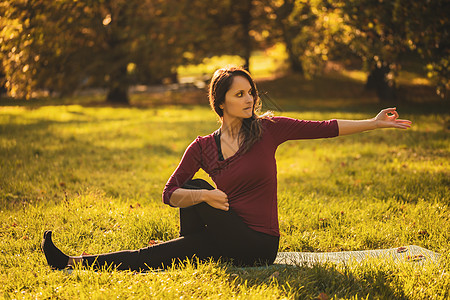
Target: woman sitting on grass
(238,220)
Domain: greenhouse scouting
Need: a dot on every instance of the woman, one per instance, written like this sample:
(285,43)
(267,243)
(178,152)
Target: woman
(237,221)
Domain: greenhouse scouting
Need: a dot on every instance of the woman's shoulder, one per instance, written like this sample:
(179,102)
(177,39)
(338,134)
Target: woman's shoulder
(200,144)
(204,140)
(272,118)
(271,121)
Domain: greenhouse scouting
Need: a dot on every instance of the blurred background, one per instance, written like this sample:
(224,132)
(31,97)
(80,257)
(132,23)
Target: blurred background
(398,49)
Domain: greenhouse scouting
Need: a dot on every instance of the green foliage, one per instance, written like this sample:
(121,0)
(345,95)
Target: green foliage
(95,176)
(56,47)
(306,28)
(60,46)
(382,33)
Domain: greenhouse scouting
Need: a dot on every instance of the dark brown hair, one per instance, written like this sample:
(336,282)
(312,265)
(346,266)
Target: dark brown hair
(251,130)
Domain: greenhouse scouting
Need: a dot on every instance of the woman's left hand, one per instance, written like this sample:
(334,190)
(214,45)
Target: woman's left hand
(388,118)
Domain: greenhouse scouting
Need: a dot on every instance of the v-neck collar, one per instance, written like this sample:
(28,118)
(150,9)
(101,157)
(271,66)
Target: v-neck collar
(219,146)
(217,135)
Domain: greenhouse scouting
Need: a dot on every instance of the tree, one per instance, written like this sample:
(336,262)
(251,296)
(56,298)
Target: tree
(291,17)
(60,46)
(56,45)
(233,27)
(308,29)
(381,32)
(427,29)
(377,37)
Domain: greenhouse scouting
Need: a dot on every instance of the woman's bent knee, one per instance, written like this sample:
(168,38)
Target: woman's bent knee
(198,184)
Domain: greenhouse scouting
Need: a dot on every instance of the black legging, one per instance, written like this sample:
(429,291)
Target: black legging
(205,232)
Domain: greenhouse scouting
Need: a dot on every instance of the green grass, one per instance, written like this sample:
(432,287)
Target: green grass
(95,175)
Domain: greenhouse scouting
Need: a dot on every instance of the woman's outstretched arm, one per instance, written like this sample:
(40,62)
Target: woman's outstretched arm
(387,118)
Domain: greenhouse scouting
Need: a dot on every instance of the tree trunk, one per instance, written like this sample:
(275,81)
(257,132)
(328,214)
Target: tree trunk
(118,87)
(118,95)
(2,83)
(379,82)
(283,13)
(296,65)
(246,18)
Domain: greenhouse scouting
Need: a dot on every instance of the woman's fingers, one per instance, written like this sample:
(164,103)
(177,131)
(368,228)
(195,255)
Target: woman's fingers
(226,205)
(218,199)
(388,110)
(404,121)
(383,115)
(395,113)
(391,113)
(396,124)
(403,124)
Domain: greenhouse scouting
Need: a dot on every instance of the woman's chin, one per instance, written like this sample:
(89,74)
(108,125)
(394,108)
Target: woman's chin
(248,115)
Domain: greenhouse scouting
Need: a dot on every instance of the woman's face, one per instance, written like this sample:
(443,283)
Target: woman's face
(238,100)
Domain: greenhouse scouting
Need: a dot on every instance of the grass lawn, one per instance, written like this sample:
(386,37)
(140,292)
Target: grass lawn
(94,175)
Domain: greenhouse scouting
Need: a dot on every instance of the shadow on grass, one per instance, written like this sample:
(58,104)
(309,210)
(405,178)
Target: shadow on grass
(320,280)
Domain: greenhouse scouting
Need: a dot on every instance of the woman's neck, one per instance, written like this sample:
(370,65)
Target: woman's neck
(231,128)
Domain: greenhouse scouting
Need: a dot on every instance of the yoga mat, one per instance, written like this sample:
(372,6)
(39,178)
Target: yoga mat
(411,253)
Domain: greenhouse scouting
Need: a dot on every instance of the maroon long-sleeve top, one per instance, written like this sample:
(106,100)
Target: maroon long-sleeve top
(249,179)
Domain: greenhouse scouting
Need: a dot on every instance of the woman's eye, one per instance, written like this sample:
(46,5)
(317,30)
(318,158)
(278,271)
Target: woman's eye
(241,94)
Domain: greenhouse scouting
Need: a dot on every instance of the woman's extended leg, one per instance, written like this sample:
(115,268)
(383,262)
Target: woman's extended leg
(195,241)
(213,234)
(157,256)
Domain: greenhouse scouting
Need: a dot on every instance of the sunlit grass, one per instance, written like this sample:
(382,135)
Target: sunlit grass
(265,63)
(270,62)
(95,176)
(358,75)
(209,65)
(406,77)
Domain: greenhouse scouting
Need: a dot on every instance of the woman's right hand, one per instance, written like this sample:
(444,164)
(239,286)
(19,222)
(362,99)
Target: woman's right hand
(217,199)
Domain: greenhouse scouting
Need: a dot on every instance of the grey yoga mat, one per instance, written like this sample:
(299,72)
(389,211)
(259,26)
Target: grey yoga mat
(411,253)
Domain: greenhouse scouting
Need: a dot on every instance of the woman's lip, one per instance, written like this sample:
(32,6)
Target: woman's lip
(247,108)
